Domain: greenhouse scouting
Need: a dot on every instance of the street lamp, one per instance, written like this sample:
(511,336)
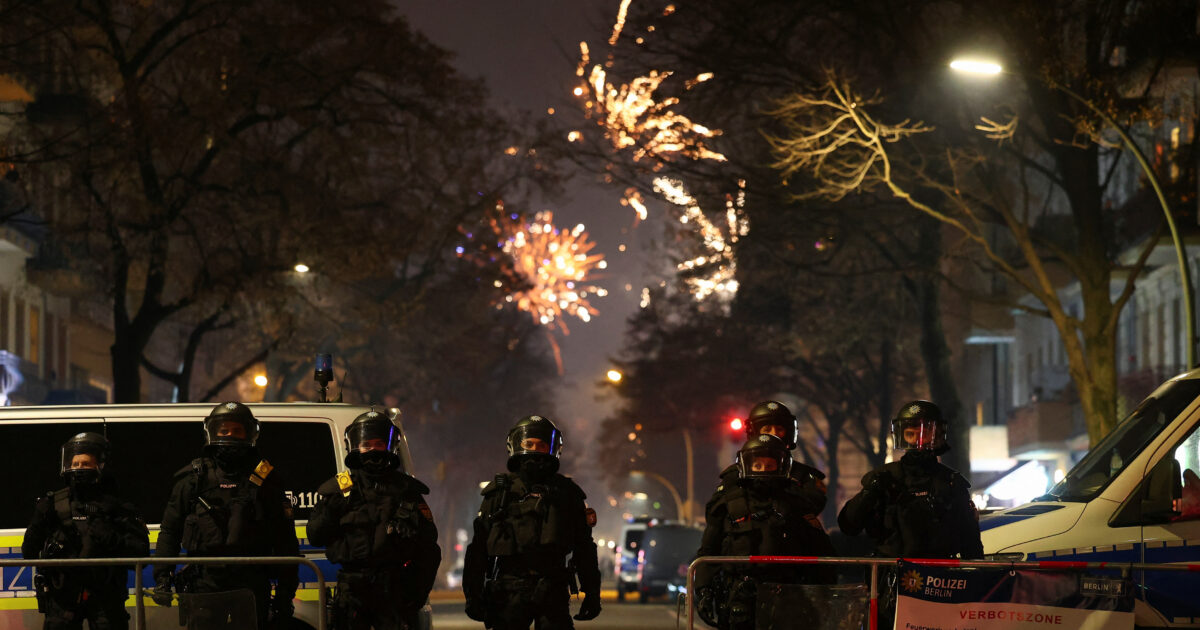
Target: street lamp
(680,510)
(614,376)
(260,380)
(987,68)
(301,268)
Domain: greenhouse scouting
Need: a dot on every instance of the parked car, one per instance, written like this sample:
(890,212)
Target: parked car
(149,444)
(626,561)
(1135,497)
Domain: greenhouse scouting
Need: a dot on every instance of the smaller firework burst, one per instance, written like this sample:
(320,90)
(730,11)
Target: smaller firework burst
(545,270)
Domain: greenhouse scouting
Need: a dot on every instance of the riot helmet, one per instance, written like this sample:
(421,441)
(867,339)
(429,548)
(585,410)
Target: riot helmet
(764,456)
(772,418)
(83,458)
(373,442)
(919,426)
(230,424)
(534,439)
(230,433)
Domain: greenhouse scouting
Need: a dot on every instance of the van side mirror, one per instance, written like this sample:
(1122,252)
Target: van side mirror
(1155,499)
(1163,487)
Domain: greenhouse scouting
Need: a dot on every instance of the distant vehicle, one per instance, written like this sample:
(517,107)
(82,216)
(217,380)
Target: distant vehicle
(666,552)
(626,561)
(454,578)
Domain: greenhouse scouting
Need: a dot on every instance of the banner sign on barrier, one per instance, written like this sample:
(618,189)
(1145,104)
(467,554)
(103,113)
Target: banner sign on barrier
(936,598)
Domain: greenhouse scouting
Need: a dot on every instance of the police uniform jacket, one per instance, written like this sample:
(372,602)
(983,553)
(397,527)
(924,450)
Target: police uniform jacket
(810,480)
(916,507)
(529,530)
(764,517)
(88,524)
(373,524)
(214,513)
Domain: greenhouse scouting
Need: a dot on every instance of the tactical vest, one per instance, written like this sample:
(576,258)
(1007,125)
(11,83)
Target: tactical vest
(381,525)
(528,520)
(919,521)
(225,515)
(767,522)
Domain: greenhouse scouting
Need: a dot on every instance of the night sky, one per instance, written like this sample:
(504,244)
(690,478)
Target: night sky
(526,51)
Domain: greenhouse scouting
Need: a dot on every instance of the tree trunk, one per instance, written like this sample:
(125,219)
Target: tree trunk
(935,354)
(884,404)
(126,369)
(833,441)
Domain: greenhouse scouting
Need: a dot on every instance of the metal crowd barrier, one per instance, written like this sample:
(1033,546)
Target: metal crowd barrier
(139,618)
(875,563)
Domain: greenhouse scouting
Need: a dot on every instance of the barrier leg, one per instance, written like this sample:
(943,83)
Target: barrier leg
(873,618)
(139,606)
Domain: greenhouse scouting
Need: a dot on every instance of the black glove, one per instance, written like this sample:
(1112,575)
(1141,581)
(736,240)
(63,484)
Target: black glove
(476,609)
(589,608)
(162,594)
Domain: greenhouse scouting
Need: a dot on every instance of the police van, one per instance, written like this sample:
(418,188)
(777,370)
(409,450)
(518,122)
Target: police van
(1135,497)
(303,441)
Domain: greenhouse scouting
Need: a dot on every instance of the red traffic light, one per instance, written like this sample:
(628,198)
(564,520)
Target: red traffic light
(736,424)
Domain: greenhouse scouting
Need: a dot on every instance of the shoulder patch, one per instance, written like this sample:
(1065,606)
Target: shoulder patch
(260,473)
(344,482)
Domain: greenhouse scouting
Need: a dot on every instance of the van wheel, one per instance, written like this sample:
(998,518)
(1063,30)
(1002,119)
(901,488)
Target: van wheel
(643,597)
(620,592)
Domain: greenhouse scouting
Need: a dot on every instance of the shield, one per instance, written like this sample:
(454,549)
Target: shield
(823,607)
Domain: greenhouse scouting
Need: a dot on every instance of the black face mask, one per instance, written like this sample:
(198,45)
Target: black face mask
(234,458)
(376,462)
(537,469)
(83,480)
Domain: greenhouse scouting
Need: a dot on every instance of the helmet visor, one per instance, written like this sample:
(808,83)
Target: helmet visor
(763,464)
(224,430)
(365,437)
(918,434)
(82,456)
(535,439)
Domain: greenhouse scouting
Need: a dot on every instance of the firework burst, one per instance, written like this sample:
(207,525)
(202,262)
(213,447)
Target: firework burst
(635,118)
(545,270)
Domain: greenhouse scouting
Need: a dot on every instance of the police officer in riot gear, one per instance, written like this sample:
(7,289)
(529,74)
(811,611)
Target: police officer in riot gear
(229,503)
(916,507)
(374,521)
(764,512)
(774,418)
(531,518)
(84,520)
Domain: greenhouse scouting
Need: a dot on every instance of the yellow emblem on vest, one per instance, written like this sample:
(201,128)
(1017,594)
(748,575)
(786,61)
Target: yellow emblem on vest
(345,483)
(260,473)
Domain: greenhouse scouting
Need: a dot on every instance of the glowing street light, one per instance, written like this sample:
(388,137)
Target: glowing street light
(976,66)
(260,380)
(301,268)
(614,376)
(736,424)
(979,67)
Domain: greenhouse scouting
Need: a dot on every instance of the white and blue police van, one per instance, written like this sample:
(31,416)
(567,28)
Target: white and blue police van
(303,441)
(1135,497)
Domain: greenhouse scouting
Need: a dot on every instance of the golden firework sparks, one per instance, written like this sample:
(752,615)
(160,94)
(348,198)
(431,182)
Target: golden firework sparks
(547,274)
(634,117)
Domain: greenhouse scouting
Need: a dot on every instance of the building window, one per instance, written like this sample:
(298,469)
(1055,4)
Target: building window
(35,341)
(19,329)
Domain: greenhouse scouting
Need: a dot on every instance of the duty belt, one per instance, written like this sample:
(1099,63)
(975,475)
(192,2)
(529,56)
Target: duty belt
(531,567)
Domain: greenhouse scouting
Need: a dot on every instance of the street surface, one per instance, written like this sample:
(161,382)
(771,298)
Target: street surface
(655,615)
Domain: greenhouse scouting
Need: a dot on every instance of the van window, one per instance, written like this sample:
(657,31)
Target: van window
(146,456)
(1188,456)
(1104,461)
